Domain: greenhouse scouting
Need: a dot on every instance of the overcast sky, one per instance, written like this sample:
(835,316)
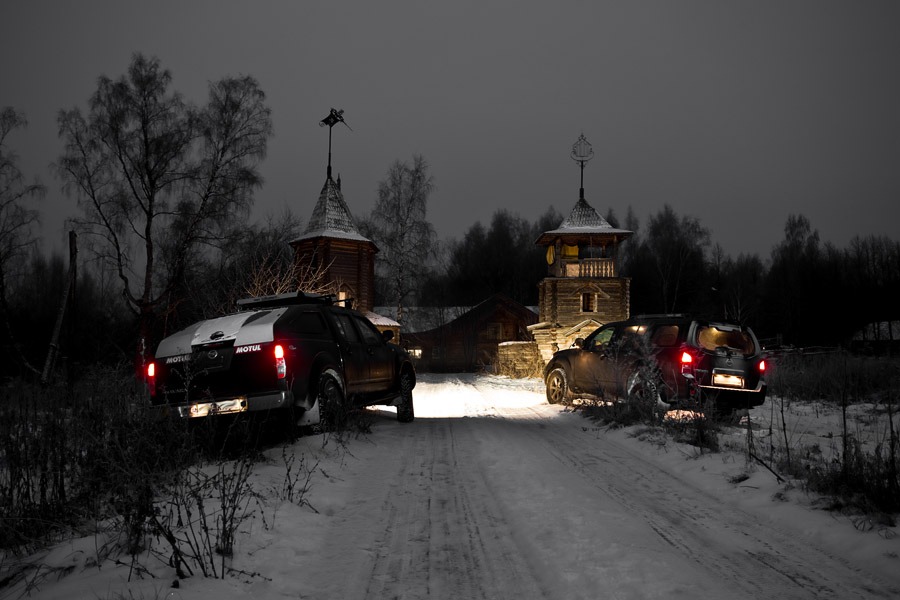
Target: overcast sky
(737,113)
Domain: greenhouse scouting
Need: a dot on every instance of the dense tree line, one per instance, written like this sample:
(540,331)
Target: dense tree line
(501,258)
(165,186)
(803,293)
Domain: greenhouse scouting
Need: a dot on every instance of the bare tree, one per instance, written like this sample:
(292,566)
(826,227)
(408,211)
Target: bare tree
(264,263)
(17,220)
(400,229)
(159,179)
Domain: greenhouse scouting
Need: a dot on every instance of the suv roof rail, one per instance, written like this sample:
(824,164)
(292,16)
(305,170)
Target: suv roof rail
(288,299)
(660,316)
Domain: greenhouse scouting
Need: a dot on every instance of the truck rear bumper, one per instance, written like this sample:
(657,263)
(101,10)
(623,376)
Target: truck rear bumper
(228,406)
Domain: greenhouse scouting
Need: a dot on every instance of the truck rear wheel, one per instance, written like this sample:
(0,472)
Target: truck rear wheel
(332,407)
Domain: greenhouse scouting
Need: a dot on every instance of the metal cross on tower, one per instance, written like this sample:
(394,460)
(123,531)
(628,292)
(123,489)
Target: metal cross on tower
(581,153)
(333,118)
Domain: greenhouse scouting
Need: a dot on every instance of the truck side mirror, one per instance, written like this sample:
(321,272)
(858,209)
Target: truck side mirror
(387,335)
(579,343)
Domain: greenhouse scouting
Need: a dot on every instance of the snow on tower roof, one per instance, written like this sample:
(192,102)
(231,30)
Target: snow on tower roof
(584,215)
(583,220)
(331,216)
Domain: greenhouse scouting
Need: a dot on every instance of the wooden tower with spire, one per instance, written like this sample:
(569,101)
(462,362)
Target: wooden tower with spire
(332,244)
(582,289)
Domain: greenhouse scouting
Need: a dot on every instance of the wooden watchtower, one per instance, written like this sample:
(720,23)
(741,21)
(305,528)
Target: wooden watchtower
(582,289)
(333,245)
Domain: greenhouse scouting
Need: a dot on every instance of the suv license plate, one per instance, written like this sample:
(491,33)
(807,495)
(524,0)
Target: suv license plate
(222,407)
(735,381)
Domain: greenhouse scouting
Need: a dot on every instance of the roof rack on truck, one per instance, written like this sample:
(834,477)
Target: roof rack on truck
(288,299)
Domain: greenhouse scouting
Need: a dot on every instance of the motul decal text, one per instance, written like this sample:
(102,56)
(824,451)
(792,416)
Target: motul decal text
(252,348)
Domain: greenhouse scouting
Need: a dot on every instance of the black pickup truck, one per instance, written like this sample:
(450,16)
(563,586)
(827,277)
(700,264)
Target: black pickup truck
(301,353)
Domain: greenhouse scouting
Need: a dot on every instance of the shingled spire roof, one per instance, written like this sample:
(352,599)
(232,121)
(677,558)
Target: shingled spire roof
(331,216)
(583,220)
(584,215)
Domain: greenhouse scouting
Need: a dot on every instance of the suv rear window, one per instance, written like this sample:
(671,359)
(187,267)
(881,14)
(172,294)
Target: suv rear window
(710,337)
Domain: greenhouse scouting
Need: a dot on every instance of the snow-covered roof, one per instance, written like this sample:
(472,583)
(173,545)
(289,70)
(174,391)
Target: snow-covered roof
(592,323)
(582,221)
(381,320)
(331,216)
(423,318)
(417,319)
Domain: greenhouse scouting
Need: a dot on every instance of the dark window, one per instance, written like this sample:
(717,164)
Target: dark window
(627,339)
(370,335)
(665,335)
(493,331)
(601,337)
(306,323)
(587,302)
(345,327)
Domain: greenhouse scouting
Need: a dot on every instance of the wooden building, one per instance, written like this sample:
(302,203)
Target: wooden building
(470,342)
(332,243)
(582,289)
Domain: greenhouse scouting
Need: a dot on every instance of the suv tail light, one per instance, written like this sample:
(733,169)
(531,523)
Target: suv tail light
(280,364)
(687,364)
(151,378)
(762,366)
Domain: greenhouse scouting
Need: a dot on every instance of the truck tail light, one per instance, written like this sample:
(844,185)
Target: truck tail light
(280,364)
(151,378)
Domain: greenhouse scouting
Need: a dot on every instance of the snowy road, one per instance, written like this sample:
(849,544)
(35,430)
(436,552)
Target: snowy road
(492,493)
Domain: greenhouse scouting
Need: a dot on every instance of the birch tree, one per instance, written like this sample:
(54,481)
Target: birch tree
(399,227)
(158,180)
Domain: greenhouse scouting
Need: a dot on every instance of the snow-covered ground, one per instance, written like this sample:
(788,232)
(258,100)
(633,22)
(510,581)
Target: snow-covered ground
(493,493)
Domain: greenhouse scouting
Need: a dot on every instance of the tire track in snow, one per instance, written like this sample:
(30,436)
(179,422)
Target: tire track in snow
(772,563)
(440,539)
(520,502)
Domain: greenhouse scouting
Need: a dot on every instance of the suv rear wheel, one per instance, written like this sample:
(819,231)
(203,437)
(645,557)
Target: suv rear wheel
(645,390)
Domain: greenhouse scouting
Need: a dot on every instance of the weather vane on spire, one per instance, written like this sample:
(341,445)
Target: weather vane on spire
(581,153)
(333,118)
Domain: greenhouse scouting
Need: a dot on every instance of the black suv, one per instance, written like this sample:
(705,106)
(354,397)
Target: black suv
(678,360)
(298,352)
